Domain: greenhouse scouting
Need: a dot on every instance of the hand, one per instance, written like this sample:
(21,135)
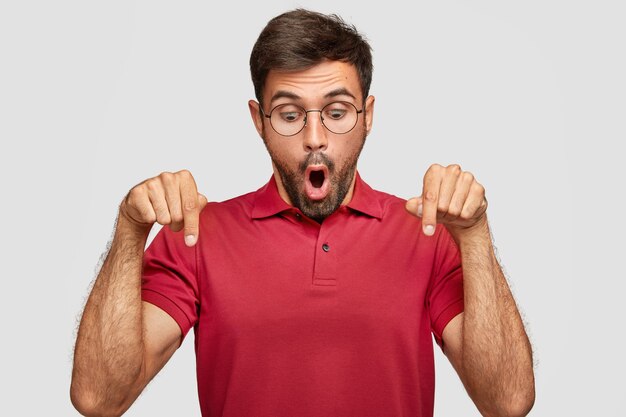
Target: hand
(450,196)
(168,199)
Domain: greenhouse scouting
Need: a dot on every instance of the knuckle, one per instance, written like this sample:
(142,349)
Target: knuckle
(184,173)
(135,195)
(430,195)
(467,213)
(166,177)
(137,189)
(468,176)
(434,168)
(177,217)
(189,205)
(190,230)
(153,184)
(164,218)
(455,207)
(454,210)
(147,215)
(455,168)
(131,196)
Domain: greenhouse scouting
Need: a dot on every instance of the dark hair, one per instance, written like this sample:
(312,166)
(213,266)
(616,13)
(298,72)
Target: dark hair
(300,39)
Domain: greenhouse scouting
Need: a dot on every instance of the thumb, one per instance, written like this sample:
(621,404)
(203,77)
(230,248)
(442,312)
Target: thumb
(202,200)
(414,206)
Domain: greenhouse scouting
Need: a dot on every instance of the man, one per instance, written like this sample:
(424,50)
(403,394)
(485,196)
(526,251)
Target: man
(314,295)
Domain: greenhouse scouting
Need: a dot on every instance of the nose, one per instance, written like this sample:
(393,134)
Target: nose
(315,138)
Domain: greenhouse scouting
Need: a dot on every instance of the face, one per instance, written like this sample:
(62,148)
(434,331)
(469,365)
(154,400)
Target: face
(315,168)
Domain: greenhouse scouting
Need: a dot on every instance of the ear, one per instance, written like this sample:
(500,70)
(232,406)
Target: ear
(257,116)
(369,114)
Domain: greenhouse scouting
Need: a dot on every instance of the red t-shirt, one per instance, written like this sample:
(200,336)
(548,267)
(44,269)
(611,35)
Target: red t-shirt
(294,318)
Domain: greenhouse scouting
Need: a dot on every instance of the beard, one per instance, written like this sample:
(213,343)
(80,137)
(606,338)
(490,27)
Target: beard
(340,180)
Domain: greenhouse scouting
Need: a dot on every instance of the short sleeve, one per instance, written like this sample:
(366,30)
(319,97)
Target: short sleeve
(169,279)
(445,299)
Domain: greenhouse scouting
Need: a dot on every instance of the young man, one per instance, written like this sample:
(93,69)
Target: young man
(314,295)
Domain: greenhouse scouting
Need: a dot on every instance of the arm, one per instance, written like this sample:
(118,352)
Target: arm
(487,344)
(123,342)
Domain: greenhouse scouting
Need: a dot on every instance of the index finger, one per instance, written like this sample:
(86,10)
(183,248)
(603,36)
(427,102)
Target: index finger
(430,198)
(190,205)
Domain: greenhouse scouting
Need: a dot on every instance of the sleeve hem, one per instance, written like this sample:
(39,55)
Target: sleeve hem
(447,314)
(169,307)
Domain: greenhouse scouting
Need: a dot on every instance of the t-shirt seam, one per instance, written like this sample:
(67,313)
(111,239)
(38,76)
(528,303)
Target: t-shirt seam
(171,301)
(445,309)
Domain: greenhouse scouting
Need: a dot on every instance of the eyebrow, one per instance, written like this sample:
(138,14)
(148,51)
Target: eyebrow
(334,93)
(339,92)
(284,94)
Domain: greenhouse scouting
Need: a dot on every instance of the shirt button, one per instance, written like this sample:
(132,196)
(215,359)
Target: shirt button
(326,247)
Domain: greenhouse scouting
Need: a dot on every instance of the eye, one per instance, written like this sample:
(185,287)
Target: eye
(336,114)
(290,116)
(288,113)
(336,111)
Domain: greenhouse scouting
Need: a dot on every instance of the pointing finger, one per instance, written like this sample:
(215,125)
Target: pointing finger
(430,198)
(190,206)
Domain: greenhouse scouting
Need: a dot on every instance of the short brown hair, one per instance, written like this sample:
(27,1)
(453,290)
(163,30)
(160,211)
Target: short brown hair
(300,39)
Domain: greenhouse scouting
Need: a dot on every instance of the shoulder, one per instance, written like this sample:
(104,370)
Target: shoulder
(393,207)
(395,215)
(239,207)
(389,202)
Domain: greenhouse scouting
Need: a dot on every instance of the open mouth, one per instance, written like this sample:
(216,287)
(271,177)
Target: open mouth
(317,178)
(316,182)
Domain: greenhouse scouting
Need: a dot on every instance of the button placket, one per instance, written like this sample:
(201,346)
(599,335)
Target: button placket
(325,261)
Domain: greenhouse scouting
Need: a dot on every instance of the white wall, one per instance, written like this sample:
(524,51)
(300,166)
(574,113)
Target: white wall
(529,96)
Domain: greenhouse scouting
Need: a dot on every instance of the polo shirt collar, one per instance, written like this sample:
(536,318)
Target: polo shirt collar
(365,199)
(268,202)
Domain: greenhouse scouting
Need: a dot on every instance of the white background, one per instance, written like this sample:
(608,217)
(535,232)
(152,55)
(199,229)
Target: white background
(529,96)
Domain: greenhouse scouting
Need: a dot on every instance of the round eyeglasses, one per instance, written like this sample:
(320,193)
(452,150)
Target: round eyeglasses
(289,119)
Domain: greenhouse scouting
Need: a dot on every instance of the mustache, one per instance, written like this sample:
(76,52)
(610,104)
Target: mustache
(317,158)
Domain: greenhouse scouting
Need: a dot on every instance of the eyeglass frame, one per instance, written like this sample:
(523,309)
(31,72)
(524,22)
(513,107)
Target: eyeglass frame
(306,116)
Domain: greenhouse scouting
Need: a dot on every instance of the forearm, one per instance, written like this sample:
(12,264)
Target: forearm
(108,357)
(497,356)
